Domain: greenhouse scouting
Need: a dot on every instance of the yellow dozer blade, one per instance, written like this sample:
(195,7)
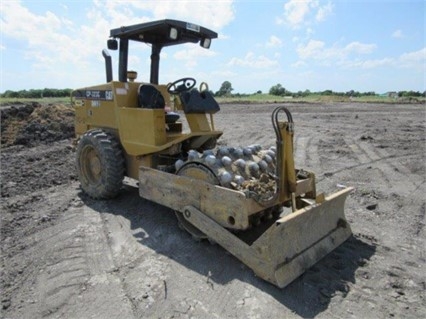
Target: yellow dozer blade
(291,245)
(280,254)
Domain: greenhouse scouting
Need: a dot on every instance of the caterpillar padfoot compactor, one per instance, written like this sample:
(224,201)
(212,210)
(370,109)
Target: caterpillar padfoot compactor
(251,201)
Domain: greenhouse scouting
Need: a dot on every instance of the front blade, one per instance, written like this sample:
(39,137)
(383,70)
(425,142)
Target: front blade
(297,241)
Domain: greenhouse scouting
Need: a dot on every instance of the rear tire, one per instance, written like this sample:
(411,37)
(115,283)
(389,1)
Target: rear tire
(100,164)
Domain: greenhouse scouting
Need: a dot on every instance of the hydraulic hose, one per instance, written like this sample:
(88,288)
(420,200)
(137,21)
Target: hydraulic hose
(280,142)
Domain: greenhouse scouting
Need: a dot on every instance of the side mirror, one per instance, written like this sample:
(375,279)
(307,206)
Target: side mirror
(112,44)
(205,43)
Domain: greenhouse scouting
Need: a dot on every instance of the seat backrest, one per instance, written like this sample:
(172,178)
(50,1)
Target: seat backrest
(149,97)
(198,102)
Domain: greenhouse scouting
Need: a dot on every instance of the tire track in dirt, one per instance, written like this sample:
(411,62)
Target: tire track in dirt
(404,185)
(364,160)
(400,184)
(312,155)
(392,181)
(394,173)
(156,257)
(74,263)
(153,281)
(65,271)
(300,145)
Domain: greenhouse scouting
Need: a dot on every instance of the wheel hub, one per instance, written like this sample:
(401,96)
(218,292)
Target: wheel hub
(95,164)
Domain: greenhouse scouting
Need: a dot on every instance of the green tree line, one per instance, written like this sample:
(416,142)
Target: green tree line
(278,90)
(36,93)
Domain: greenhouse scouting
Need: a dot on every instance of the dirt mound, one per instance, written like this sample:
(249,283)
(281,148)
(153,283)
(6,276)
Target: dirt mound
(32,124)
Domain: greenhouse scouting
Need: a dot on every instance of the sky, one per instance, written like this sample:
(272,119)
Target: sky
(316,45)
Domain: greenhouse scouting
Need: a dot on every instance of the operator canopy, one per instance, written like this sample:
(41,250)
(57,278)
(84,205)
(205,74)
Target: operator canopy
(165,33)
(159,34)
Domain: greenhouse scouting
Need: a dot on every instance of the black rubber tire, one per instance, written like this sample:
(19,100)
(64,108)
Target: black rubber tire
(100,164)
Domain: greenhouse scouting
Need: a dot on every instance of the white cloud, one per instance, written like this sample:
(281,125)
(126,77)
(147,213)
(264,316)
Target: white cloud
(303,12)
(295,11)
(348,56)
(134,62)
(45,35)
(414,58)
(211,14)
(309,31)
(397,34)
(222,36)
(18,22)
(367,64)
(225,73)
(191,54)
(317,50)
(314,49)
(274,42)
(54,42)
(299,64)
(324,12)
(360,48)
(252,61)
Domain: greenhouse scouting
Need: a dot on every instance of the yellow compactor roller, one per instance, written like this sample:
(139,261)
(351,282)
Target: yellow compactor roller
(251,201)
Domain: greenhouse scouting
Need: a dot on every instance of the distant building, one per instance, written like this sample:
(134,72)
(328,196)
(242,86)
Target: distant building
(392,94)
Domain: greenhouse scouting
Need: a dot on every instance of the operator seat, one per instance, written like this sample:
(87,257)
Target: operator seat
(151,98)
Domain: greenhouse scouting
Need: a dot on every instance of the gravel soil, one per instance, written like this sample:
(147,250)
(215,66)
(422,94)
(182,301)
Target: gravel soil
(64,255)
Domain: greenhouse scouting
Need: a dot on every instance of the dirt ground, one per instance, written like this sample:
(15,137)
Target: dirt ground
(67,256)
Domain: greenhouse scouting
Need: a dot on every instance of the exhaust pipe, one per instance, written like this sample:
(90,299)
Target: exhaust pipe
(108,65)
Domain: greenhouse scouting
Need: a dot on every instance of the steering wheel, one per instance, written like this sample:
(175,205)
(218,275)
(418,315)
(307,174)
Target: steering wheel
(181,85)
